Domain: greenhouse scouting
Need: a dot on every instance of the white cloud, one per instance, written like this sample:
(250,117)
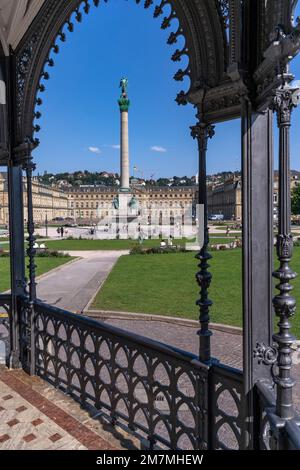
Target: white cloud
(113,146)
(156,148)
(95,150)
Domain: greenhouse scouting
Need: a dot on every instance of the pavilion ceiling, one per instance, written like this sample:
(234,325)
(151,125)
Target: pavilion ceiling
(15,19)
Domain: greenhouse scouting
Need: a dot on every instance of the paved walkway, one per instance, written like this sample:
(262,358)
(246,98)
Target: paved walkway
(72,286)
(227,347)
(35,416)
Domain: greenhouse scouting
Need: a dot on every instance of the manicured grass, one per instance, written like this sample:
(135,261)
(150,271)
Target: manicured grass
(220,240)
(165,284)
(43,265)
(86,245)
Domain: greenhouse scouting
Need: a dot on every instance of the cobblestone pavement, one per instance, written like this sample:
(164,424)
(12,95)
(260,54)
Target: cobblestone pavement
(35,416)
(226,347)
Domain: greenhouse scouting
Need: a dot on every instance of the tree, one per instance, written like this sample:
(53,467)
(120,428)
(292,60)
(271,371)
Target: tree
(296,200)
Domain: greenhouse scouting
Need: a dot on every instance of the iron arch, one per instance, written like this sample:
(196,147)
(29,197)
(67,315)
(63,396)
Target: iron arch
(202,23)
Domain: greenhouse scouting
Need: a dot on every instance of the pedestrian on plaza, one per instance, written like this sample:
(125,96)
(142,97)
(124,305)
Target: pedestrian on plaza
(61,231)
(227,231)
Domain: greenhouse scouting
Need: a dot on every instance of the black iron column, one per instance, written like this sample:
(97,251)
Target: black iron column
(16,214)
(284,303)
(29,167)
(202,132)
(257,255)
(17,263)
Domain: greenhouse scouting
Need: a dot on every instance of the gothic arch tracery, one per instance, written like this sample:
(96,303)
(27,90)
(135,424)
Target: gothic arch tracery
(213,30)
(201,23)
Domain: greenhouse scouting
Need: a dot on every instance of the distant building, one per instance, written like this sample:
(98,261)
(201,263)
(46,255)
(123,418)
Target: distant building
(48,201)
(225,198)
(91,204)
(96,203)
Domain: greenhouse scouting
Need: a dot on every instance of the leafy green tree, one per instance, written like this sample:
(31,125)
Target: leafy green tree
(296,200)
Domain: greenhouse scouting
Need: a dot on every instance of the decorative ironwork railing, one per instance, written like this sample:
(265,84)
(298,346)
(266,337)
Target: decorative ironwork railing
(163,395)
(227,410)
(156,391)
(5,303)
(274,433)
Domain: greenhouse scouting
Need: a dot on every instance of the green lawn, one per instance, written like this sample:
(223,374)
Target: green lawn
(43,265)
(220,240)
(86,245)
(165,285)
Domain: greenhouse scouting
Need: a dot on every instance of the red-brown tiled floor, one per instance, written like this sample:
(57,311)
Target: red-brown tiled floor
(28,420)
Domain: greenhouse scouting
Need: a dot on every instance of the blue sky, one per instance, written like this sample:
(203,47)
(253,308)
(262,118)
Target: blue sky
(80,122)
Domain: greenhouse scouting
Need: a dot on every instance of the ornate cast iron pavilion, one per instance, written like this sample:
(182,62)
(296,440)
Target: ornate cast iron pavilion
(238,67)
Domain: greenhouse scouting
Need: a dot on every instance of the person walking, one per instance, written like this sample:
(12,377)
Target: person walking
(61,232)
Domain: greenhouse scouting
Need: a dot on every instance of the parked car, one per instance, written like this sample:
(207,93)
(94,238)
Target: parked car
(216,217)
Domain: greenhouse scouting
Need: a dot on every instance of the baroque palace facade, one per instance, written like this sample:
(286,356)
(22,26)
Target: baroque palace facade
(96,203)
(91,204)
(49,202)
(226,198)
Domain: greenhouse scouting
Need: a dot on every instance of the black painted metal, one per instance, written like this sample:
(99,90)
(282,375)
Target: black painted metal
(257,169)
(29,167)
(165,396)
(35,53)
(103,367)
(16,226)
(284,303)
(156,391)
(275,433)
(202,132)
(28,308)
(227,408)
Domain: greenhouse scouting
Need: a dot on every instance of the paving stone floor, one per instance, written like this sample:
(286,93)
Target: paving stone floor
(35,416)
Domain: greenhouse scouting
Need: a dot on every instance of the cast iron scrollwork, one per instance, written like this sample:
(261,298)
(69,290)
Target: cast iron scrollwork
(28,55)
(265,354)
(161,396)
(27,311)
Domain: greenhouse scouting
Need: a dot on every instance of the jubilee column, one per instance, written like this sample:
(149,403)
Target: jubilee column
(124,104)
